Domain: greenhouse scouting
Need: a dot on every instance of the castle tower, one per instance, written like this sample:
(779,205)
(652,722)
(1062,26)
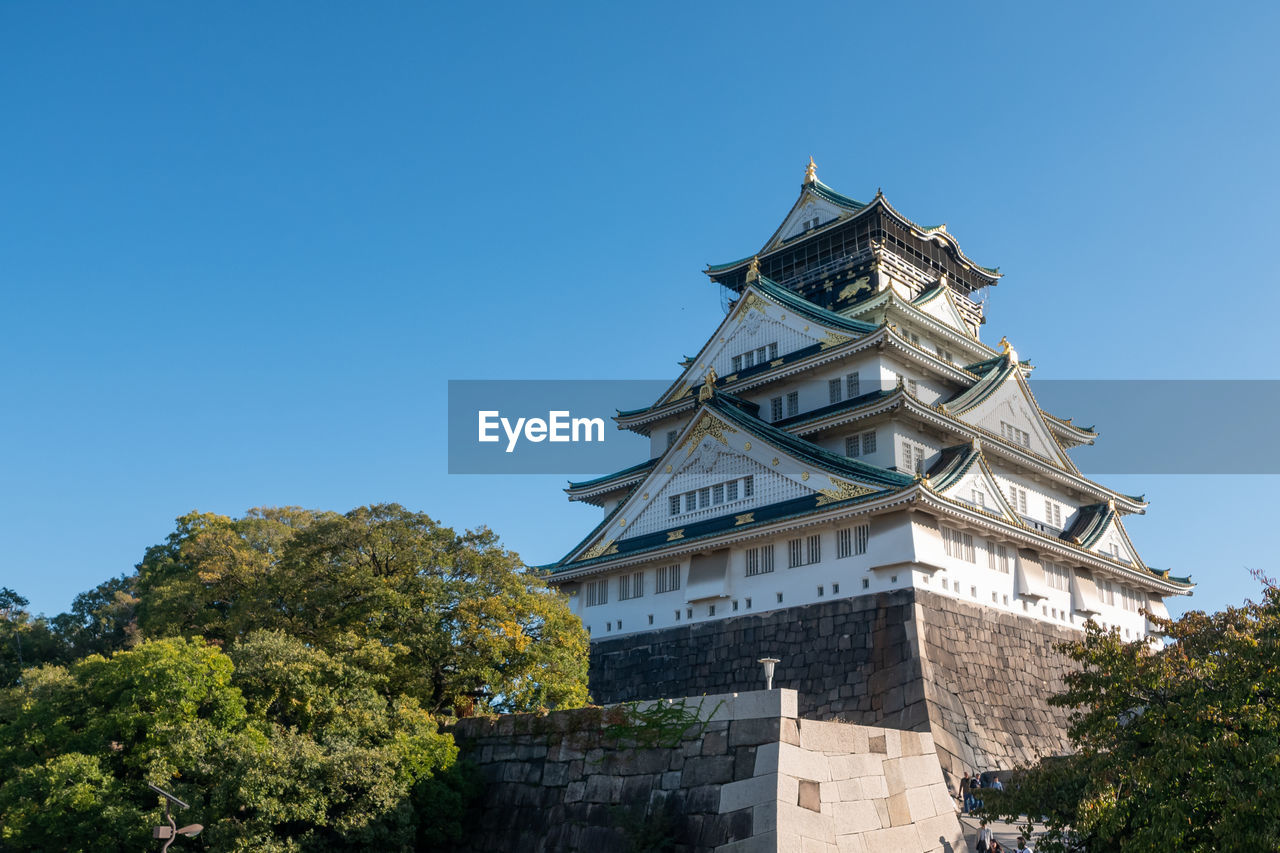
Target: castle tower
(847,478)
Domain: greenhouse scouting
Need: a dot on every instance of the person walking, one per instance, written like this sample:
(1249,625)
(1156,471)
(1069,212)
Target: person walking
(965,799)
(1022,846)
(985,838)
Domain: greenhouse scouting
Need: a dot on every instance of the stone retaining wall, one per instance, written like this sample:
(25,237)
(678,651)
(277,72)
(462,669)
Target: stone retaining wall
(751,777)
(976,678)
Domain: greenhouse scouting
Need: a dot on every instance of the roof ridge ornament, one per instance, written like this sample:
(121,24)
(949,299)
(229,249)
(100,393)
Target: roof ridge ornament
(811,172)
(708,389)
(753,271)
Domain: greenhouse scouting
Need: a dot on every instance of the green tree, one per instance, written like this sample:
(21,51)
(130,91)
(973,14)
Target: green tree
(25,640)
(1178,748)
(295,750)
(468,623)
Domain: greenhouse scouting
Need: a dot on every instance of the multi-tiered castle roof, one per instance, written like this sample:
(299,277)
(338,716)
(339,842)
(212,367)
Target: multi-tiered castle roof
(844,431)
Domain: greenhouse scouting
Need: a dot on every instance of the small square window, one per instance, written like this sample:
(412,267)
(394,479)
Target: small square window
(973,591)
(893,578)
(779,598)
(650,618)
(835,589)
(608,626)
(866,582)
(820,592)
(1006,600)
(688,612)
(748,603)
(711,610)
(735,604)
(994,599)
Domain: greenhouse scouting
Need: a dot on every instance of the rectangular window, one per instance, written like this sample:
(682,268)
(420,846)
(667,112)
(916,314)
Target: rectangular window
(795,553)
(815,548)
(1052,513)
(793,404)
(998,557)
(979,498)
(821,591)
(690,501)
(762,355)
(852,445)
(773,351)
(749,359)
(711,610)
(668,578)
(737,363)
(595,593)
(675,504)
(1012,433)
(913,387)
(717,494)
(748,485)
(868,442)
(958,544)
(912,457)
(1018,499)
(775,409)
(760,560)
(852,540)
(851,385)
(731,491)
(833,388)
(704,497)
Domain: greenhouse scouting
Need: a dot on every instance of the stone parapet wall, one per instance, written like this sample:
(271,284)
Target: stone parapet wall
(976,678)
(748,777)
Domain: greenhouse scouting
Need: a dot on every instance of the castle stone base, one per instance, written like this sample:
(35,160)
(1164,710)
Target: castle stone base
(748,777)
(976,679)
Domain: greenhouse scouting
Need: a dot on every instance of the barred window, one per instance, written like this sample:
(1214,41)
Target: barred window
(851,385)
(852,540)
(852,445)
(595,592)
(795,553)
(717,493)
(815,548)
(674,504)
(1052,513)
(773,351)
(748,485)
(668,579)
(737,363)
(793,404)
(760,560)
(958,544)
(631,586)
(731,491)
(1012,433)
(775,409)
(1018,499)
(868,442)
(998,557)
(833,388)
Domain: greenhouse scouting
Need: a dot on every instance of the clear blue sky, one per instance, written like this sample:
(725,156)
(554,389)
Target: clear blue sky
(244,246)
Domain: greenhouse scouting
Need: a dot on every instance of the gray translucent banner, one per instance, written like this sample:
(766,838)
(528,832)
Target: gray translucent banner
(1162,426)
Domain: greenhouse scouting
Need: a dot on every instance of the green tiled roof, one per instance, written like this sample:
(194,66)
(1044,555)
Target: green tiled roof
(814,312)
(1090,524)
(728,266)
(823,191)
(616,475)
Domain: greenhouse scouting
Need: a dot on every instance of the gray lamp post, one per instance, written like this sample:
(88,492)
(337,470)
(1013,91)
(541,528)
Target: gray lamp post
(769,664)
(168,833)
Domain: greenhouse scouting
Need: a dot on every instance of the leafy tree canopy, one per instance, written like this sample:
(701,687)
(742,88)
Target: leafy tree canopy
(1178,748)
(467,623)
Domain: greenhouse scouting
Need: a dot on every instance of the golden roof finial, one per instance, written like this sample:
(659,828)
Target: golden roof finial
(811,172)
(1005,346)
(753,271)
(708,386)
